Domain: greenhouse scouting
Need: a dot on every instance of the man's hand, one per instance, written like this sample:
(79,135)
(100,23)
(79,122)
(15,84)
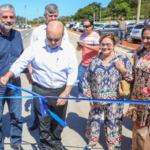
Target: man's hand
(61,102)
(4,80)
(147,17)
(119,17)
(126,31)
(82,43)
(28,75)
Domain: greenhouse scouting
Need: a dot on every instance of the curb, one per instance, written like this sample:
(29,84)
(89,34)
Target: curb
(121,46)
(127,48)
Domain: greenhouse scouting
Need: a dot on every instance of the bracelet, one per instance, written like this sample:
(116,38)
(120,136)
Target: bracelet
(67,93)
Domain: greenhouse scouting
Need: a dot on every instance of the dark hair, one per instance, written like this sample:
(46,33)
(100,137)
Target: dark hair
(109,35)
(90,21)
(144,29)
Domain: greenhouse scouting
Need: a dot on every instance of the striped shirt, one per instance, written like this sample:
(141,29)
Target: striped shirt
(87,54)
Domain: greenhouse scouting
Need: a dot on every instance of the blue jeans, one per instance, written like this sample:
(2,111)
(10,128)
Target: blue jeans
(15,110)
(121,33)
(81,72)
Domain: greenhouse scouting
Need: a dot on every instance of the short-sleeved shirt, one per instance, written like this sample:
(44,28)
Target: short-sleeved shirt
(146,23)
(87,54)
(39,33)
(121,25)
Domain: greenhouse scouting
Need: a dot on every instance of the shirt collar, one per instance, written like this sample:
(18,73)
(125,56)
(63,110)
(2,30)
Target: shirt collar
(11,33)
(56,49)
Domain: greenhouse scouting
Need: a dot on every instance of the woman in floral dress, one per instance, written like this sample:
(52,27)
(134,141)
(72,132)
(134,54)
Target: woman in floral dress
(140,114)
(101,81)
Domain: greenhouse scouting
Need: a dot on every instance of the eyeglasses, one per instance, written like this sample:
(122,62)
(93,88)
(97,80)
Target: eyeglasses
(108,45)
(86,26)
(147,38)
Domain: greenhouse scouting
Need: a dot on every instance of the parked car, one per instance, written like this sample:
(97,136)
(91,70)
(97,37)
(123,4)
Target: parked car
(28,26)
(76,26)
(127,34)
(80,28)
(131,24)
(98,26)
(136,32)
(71,25)
(67,25)
(107,28)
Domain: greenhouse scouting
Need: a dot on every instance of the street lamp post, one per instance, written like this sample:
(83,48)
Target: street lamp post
(25,15)
(138,11)
(100,11)
(38,16)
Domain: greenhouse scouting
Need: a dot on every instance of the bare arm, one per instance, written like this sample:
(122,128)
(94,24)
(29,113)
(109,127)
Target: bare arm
(118,19)
(146,20)
(126,28)
(93,48)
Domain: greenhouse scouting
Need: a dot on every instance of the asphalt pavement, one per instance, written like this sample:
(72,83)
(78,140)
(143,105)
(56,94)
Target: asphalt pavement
(73,136)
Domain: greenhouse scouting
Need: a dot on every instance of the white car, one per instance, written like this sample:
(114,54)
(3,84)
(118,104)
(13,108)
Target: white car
(28,26)
(80,28)
(76,26)
(136,32)
(67,25)
(98,26)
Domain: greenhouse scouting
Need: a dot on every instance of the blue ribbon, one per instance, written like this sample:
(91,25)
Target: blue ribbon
(42,101)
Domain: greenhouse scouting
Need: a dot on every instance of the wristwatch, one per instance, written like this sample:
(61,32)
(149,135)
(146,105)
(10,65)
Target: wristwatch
(67,93)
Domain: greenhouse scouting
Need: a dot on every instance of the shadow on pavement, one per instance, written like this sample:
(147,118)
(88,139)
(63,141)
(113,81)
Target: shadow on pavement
(78,124)
(29,120)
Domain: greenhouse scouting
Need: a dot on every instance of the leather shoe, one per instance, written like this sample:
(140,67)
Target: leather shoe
(59,148)
(34,125)
(17,147)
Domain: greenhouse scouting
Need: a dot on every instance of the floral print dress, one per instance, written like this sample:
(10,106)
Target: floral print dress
(101,82)
(141,89)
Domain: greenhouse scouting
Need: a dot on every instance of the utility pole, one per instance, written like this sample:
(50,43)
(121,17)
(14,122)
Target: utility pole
(100,11)
(138,11)
(25,15)
(37,16)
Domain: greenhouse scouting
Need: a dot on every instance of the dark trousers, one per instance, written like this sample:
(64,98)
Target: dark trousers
(15,111)
(49,129)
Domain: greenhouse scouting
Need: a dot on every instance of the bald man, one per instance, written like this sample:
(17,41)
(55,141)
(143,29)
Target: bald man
(55,70)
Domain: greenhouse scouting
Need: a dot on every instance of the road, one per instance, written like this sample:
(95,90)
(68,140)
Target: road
(73,137)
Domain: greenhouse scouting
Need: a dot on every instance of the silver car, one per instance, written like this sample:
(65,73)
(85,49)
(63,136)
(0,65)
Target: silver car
(136,32)
(107,28)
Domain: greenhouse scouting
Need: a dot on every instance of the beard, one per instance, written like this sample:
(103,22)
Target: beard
(3,25)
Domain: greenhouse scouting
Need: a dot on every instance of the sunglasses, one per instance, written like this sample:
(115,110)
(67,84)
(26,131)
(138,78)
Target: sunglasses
(86,26)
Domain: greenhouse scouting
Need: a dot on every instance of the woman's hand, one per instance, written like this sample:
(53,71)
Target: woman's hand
(92,105)
(119,65)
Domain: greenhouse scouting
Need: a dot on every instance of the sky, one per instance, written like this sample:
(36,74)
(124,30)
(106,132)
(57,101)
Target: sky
(66,7)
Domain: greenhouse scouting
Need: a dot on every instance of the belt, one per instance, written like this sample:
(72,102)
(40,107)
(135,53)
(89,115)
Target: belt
(12,80)
(48,89)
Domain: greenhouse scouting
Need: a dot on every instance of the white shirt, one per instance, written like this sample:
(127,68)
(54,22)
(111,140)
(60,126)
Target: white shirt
(51,68)
(39,33)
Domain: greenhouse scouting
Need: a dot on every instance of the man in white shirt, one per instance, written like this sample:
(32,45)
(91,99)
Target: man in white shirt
(39,33)
(54,73)
(51,14)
